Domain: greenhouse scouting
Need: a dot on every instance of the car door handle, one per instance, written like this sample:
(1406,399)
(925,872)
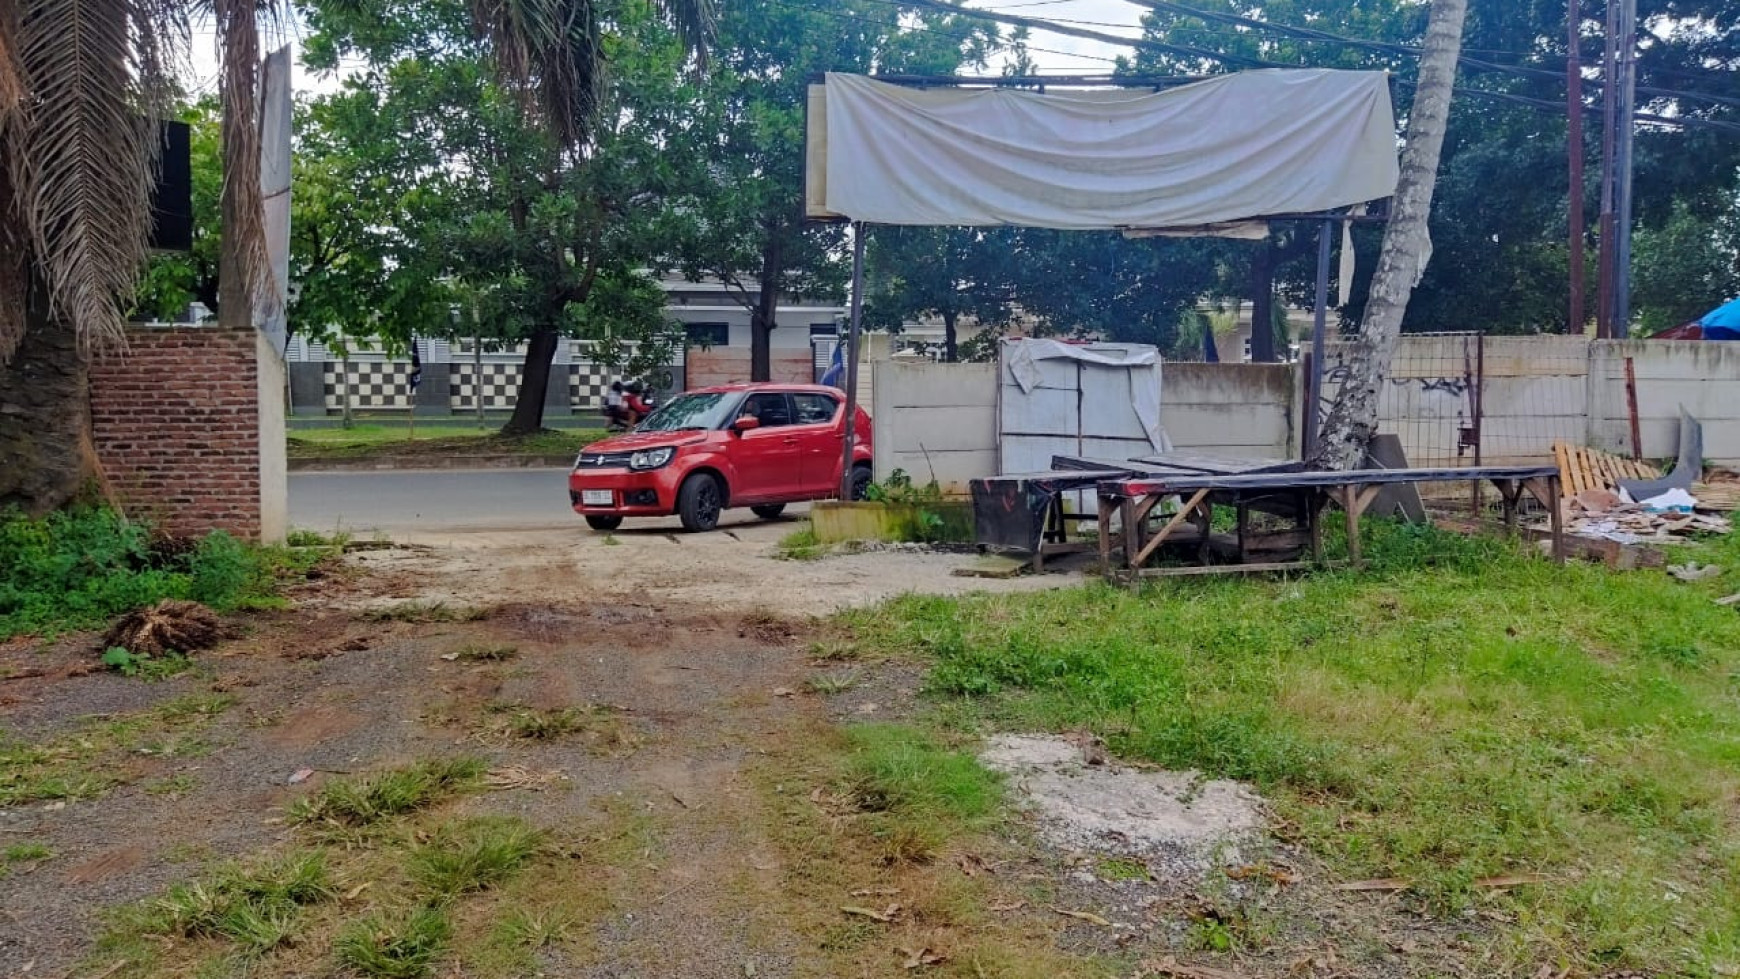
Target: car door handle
(791,441)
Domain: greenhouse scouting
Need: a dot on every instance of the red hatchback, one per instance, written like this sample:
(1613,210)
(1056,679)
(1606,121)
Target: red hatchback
(755,445)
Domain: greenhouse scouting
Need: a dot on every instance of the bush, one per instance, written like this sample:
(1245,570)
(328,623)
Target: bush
(78,568)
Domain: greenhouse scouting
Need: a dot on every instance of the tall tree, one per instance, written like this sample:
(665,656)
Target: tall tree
(1406,250)
(535,237)
(949,273)
(746,226)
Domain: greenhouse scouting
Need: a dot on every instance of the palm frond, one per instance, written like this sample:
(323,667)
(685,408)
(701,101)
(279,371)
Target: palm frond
(81,166)
(550,54)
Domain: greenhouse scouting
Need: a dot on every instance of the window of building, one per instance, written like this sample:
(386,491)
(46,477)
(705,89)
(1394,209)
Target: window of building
(709,334)
(824,329)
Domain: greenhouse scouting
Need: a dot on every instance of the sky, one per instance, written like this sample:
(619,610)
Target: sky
(1053,53)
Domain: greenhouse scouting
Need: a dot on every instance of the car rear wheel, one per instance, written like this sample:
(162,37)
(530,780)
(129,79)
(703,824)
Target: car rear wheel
(699,502)
(599,521)
(860,481)
(768,511)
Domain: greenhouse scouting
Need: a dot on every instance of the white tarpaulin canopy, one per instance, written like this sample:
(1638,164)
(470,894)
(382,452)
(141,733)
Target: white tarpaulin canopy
(1216,152)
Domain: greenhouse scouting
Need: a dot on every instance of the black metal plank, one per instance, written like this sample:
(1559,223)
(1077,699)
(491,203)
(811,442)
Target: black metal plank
(1223,465)
(1144,486)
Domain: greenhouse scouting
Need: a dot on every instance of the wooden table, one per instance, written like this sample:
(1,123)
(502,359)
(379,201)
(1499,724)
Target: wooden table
(1133,500)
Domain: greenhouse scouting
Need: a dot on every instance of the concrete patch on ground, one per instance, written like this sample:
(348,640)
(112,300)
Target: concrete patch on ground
(1176,818)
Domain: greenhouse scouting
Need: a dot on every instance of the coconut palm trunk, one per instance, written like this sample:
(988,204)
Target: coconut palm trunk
(1407,246)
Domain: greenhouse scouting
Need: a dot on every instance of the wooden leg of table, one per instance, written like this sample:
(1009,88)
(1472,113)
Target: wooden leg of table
(1153,545)
(1349,494)
(1509,490)
(1244,521)
(1314,503)
(1132,531)
(1104,525)
(1558,519)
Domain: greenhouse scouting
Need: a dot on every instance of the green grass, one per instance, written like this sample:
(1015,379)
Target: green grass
(255,908)
(485,653)
(90,760)
(395,946)
(375,440)
(78,568)
(360,802)
(801,545)
(1461,710)
(915,793)
(472,856)
(28,852)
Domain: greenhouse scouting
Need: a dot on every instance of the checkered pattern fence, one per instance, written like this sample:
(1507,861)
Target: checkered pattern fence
(372,384)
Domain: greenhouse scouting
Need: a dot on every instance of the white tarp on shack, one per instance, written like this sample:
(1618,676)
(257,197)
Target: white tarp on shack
(1211,153)
(1099,400)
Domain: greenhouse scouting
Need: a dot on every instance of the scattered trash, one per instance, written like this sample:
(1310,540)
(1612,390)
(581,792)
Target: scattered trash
(1087,916)
(299,776)
(352,894)
(1692,571)
(1673,501)
(1593,515)
(1006,908)
(783,691)
(876,892)
(1730,600)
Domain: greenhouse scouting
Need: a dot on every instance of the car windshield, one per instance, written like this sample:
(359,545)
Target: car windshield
(708,410)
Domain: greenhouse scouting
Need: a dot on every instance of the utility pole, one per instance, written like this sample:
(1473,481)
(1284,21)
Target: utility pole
(1625,140)
(1609,127)
(1574,155)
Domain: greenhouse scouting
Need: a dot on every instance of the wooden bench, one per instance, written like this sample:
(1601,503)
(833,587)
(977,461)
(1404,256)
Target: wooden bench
(1132,500)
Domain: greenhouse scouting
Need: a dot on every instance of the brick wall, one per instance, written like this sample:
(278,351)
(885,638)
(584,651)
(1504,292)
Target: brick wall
(177,426)
(730,365)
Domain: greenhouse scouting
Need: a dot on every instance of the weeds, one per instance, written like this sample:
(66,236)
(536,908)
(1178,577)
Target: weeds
(473,855)
(145,666)
(257,909)
(75,569)
(395,946)
(830,684)
(23,853)
(801,545)
(423,612)
(485,653)
(1461,710)
(355,803)
(88,762)
(915,793)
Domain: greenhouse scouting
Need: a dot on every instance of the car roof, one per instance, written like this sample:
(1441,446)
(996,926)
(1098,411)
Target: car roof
(764,386)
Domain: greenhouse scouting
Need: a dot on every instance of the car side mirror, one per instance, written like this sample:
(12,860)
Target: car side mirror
(746,423)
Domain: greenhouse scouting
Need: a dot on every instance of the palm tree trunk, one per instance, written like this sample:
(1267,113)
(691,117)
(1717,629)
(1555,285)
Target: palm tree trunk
(1406,249)
(46,456)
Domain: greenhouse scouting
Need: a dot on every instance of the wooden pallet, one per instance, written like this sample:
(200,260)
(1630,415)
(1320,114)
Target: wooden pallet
(1583,469)
(1717,497)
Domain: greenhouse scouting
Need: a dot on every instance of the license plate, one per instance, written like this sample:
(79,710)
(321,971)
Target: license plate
(597,497)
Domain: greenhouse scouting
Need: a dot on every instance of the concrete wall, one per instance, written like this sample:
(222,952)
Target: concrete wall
(1703,377)
(189,428)
(936,421)
(1231,409)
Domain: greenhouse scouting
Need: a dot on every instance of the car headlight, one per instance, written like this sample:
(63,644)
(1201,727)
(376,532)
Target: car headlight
(651,458)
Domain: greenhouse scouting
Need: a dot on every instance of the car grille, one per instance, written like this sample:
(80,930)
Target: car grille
(604,460)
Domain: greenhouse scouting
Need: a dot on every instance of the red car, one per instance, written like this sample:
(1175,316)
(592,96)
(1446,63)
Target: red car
(755,445)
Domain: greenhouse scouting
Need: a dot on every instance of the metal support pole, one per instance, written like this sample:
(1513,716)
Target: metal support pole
(1319,331)
(1609,127)
(852,361)
(1625,139)
(1578,317)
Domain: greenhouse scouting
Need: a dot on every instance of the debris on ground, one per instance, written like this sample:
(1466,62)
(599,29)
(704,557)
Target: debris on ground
(1176,818)
(1693,571)
(171,625)
(1604,516)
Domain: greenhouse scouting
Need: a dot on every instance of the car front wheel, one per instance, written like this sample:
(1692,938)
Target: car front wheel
(860,481)
(699,502)
(598,521)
